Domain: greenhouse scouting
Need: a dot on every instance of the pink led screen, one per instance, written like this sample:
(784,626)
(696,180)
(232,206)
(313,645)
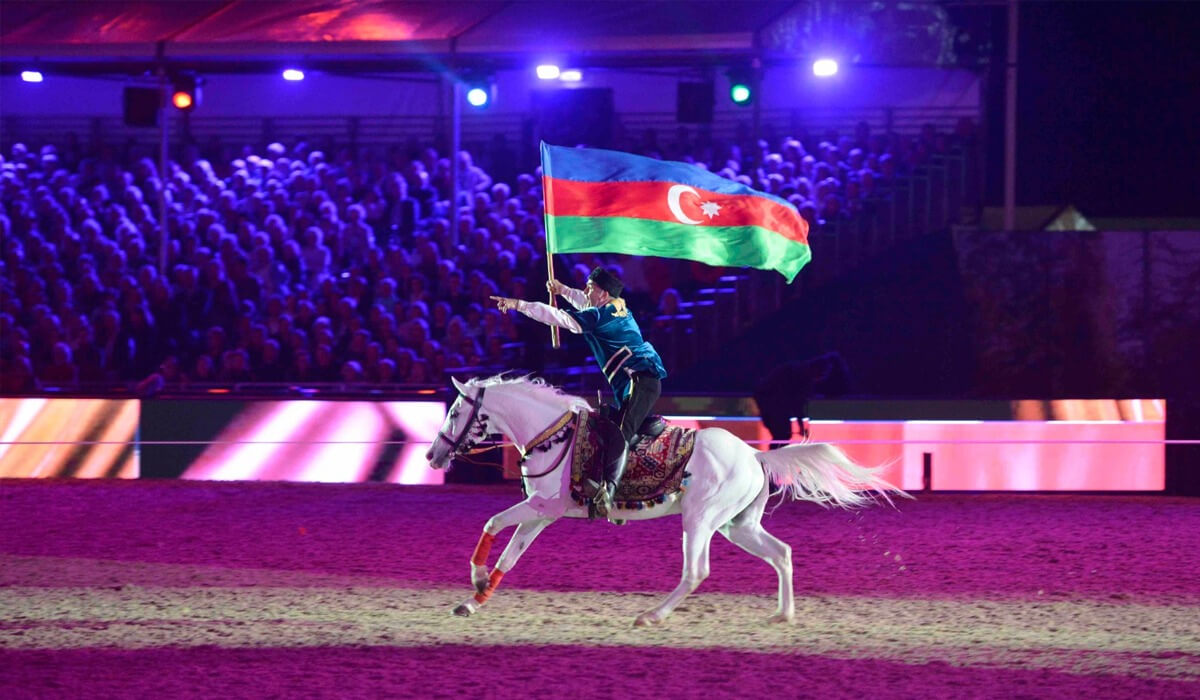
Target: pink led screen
(1012,455)
(1092,446)
(87,438)
(1102,453)
(329,441)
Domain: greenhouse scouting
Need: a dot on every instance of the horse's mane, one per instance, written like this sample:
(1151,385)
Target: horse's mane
(535,388)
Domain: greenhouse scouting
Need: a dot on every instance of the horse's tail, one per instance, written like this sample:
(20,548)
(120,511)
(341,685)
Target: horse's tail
(822,473)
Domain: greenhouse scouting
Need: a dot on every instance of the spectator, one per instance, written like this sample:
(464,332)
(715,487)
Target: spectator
(352,372)
(61,370)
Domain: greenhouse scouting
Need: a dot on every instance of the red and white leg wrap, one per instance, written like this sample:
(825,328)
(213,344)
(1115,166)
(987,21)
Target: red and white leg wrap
(479,558)
(493,581)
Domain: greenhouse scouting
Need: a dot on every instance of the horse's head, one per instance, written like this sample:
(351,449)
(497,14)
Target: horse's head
(465,425)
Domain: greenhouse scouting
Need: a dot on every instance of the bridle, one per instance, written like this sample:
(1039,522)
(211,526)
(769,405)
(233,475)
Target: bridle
(473,430)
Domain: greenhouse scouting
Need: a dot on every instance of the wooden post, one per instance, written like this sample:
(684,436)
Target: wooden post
(1010,121)
(164,115)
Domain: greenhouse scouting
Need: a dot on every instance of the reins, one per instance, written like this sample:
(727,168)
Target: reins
(564,425)
(466,455)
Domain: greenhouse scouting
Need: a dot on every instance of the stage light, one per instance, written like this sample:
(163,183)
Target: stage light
(571,75)
(824,67)
(547,71)
(32,76)
(186,92)
(293,74)
(478,86)
(743,80)
(478,97)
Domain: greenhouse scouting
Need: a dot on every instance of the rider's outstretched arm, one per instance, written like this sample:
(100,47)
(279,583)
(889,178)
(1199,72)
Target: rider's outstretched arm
(548,315)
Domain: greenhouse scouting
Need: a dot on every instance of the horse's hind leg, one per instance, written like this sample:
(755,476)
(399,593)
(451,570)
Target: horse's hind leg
(520,541)
(746,531)
(718,493)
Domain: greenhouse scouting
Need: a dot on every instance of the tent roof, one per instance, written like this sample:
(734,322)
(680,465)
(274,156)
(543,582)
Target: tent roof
(246,34)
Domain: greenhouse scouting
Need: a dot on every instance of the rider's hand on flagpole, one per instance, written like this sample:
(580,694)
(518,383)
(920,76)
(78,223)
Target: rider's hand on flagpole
(556,287)
(505,303)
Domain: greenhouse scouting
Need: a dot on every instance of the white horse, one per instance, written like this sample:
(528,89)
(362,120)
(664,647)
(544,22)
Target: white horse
(727,491)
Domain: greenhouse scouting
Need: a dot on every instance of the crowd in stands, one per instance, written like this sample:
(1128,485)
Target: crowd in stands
(831,179)
(306,265)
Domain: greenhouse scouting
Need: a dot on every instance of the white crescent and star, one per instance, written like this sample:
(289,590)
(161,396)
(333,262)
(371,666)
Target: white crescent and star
(710,209)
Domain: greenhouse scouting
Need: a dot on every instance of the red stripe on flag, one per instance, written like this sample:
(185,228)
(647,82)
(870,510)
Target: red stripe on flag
(649,200)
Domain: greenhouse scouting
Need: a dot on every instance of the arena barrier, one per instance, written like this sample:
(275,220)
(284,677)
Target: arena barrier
(1014,446)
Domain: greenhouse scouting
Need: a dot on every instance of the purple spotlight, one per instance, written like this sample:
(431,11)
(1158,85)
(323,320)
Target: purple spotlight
(825,67)
(293,74)
(32,76)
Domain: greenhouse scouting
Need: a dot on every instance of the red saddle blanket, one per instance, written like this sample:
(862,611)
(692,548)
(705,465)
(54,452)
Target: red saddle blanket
(654,470)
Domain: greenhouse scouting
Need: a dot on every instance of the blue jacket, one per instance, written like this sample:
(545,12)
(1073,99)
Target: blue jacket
(617,343)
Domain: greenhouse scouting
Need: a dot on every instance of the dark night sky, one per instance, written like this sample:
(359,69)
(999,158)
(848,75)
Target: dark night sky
(1108,108)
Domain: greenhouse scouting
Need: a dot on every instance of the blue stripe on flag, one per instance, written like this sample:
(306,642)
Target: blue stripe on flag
(600,165)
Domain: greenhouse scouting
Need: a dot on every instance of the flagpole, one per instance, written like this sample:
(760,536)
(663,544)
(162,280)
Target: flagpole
(554,342)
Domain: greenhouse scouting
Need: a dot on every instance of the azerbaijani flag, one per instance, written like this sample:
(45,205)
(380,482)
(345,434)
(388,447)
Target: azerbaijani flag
(600,201)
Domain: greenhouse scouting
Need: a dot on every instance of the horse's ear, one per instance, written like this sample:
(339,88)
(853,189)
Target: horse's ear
(462,389)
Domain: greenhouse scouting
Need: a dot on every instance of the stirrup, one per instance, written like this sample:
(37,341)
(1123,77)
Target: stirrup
(602,502)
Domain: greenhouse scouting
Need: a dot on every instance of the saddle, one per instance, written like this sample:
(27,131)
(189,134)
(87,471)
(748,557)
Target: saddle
(654,470)
(609,435)
(651,427)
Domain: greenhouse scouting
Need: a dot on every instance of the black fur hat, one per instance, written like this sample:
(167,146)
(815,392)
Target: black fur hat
(607,281)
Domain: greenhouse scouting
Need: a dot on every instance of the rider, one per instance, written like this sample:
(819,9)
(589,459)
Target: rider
(630,364)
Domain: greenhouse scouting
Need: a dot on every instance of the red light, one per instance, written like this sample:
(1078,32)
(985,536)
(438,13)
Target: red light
(182,100)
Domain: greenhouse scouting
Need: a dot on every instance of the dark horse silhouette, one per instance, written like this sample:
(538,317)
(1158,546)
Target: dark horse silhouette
(785,392)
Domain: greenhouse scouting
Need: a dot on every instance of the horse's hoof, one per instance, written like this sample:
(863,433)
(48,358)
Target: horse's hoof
(780,619)
(463,610)
(646,619)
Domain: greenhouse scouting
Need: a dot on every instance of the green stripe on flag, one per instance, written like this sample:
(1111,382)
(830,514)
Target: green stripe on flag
(729,246)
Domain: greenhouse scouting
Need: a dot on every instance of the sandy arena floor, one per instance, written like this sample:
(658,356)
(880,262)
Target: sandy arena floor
(152,589)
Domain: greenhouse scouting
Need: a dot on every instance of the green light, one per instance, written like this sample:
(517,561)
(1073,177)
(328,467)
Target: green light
(739,93)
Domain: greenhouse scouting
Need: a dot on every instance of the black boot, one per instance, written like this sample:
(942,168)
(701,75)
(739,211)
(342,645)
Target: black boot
(608,488)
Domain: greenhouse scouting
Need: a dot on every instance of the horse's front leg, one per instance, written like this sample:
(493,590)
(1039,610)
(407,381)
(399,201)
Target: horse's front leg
(529,509)
(531,519)
(521,539)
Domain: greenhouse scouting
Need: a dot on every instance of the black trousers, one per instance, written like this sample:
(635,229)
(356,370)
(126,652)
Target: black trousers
(645,391)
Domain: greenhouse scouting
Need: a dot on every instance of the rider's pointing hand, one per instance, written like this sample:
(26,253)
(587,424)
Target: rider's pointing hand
(504,303)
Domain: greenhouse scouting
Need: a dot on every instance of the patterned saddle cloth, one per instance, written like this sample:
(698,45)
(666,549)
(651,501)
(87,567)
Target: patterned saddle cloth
(653,470)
